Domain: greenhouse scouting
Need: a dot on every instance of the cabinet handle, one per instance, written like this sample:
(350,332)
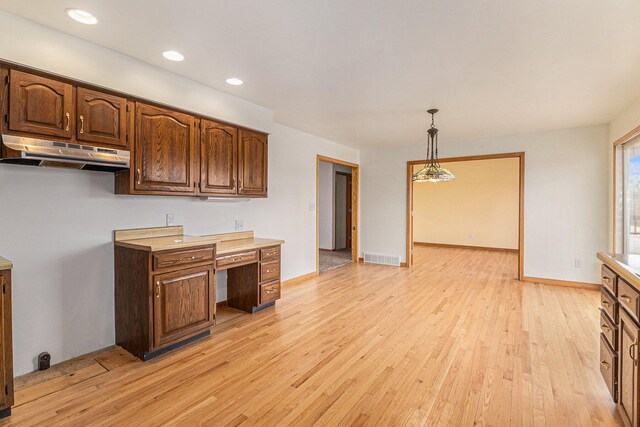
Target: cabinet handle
(606,304)
(605,328)
(270,291)
(605,365)
(138,176)
(68,116)
(270,271)
(233,183)
(240,183)
(81,123)
(633,344)
(625,298)
(189,258)
(158,289)
(606,279)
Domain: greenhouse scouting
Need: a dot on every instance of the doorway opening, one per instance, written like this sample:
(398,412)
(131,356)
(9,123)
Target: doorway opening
(336,213)
(483,208)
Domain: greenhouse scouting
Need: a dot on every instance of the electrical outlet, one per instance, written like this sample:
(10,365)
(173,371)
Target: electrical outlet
(239,225)
(577,263)
(170,220)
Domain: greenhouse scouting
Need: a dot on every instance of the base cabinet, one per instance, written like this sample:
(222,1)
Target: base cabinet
(163,299)
(628,369)
(6,350)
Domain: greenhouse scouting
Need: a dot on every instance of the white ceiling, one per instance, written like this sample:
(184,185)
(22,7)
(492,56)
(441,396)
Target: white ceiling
(362,72)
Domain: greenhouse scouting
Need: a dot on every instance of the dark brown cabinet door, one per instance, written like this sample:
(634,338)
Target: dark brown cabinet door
(42,106)
(6,345)
(218,158)
(184,304)
(628,369)
(101,118)
(164,150)
(252,164)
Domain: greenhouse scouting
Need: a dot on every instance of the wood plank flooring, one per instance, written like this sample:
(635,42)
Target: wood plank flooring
(454,340)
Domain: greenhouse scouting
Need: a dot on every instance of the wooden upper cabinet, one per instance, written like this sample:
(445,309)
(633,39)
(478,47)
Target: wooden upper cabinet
(218,158)
(252,164)
(40,106)
(101,118)
(184,302)
(164,150)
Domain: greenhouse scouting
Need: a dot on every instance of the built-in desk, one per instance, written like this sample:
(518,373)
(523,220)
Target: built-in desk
(253,269)
(165,283)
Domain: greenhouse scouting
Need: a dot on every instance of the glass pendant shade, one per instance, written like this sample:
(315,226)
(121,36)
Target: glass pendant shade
(432,171)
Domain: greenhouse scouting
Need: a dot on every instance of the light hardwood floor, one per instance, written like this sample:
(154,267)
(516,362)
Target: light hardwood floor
(453,341)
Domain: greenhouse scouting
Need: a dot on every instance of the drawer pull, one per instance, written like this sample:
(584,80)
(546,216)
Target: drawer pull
(606,304)
(157,289)
(606,328)
(270,271)
(270,291)
(190,258)
(625,298)
(606,279)
(605,365)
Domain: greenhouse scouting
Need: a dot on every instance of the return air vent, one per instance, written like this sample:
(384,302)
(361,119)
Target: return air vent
(382,259)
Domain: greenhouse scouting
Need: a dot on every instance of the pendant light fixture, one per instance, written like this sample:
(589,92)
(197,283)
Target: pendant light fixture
(432,171)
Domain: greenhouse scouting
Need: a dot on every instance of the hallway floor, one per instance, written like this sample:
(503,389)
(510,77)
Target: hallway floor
(334,259)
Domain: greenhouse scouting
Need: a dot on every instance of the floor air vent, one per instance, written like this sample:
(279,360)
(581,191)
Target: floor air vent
(382,259)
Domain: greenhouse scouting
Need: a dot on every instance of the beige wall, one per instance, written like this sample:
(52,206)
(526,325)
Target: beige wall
(479,208)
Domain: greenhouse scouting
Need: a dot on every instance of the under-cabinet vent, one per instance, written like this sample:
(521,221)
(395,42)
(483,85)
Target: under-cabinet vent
(382,259)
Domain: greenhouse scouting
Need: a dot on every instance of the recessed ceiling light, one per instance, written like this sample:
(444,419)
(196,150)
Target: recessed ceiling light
(82,16)
(234,81)
(172,55)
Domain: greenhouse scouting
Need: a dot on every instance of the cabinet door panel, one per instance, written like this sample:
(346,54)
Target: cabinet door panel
(628,370)
(101,118)
(40,106)
(164,150)
(252,164)
(218,158)
(3,356)
(184,304)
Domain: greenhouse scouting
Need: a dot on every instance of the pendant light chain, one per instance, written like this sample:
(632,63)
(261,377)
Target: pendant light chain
(432,171)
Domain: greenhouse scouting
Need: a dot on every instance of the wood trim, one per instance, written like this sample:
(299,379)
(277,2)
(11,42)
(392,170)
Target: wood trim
(224,303)
(355,197)
(347,230)
(446,245)
(566,283)
(409,202)
(471,158)
(299,279)
(627,136)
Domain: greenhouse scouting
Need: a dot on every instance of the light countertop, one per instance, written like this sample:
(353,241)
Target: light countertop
(167,242)
(231,246)
(5,264)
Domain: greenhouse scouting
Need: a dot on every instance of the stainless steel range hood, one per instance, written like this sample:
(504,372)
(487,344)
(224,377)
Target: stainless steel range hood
(39,152)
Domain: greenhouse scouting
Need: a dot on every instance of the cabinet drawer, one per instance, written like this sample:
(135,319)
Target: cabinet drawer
(609,330)
(609,304)
(270,253)
(628,298)
(608,367)
(182,257)
(269,271)
(234,260)
(269,292)
(609,280)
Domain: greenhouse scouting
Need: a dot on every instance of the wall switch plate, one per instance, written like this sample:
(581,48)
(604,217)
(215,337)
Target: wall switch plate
(577,263)
(239,225)
(170,220)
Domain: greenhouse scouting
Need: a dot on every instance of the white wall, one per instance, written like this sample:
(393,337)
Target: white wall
(341,211)
(57,224)
(326,207)
(566,197)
